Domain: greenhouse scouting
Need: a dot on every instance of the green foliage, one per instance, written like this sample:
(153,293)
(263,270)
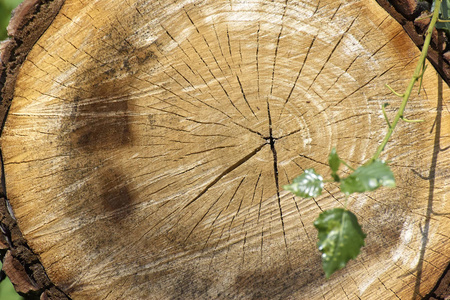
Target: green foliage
(7,291)
(365,178)
(340,235)
(444,15)
(307,185)
(368,178)
(340,238)
(334,162)
(6,6)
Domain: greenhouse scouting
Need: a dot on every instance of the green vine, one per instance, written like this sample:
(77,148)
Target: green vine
(340,235)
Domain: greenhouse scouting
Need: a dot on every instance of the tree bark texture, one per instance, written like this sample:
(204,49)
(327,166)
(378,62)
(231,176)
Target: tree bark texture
(147,143)
(409,13)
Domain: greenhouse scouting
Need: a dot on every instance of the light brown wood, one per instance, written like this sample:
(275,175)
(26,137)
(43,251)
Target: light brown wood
(148,142)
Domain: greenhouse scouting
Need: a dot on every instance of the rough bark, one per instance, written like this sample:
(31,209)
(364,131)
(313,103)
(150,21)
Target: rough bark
(408,13)
(147,144)
(29,21)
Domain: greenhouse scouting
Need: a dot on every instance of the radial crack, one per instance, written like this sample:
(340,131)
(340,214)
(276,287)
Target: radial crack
(333,50)
(272,140)
(227,171)
(245,97)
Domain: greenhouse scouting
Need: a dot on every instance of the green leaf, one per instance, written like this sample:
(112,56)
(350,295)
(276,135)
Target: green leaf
(334,162)
(309,184)
(368,178)
(340,238)
(444,14)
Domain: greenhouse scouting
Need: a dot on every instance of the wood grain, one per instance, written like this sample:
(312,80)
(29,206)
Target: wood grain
(147,145)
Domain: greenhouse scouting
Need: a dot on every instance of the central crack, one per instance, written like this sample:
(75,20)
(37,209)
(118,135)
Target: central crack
(271,141)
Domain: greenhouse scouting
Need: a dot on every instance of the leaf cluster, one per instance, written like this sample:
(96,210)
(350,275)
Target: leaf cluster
(340,235)
(365,178)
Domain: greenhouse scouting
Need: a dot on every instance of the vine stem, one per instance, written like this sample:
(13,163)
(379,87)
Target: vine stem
(418,73)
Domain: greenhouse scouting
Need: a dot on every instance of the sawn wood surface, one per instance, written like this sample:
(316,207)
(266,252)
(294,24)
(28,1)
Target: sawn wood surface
(148,142)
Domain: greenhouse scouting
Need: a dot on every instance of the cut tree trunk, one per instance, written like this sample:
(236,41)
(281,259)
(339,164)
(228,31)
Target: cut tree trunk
(147,143)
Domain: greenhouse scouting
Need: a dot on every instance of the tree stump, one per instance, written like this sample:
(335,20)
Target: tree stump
(147,143)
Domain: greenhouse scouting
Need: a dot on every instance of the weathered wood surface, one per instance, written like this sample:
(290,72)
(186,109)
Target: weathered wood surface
(147,144)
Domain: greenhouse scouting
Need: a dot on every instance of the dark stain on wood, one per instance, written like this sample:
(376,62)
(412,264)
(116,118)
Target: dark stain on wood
(100,115)
(100,124)
(191,286)
(133,58)
(100,121)
(115,193)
